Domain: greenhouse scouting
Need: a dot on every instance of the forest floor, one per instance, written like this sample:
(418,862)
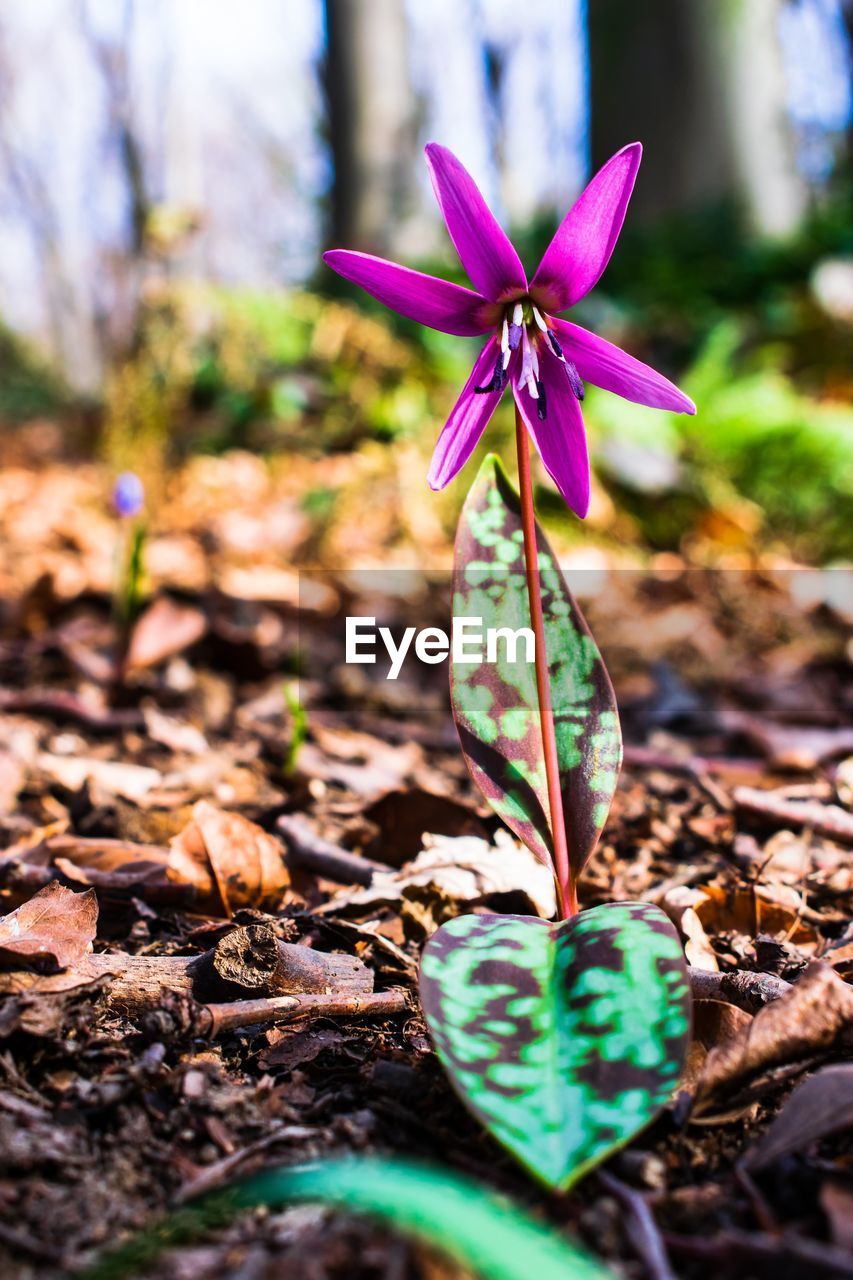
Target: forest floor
(202,841)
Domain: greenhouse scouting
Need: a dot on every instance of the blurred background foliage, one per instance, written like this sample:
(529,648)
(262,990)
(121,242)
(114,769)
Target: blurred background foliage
(162,339)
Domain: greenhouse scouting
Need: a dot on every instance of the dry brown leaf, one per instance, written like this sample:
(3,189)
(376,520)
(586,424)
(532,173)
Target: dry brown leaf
(752,909)
(463,870)
(54,930)
(164,629)
(116,778)
(12,776)
(715,1023)
(819,1106)
(680,905)
(230,861)
(816,1015)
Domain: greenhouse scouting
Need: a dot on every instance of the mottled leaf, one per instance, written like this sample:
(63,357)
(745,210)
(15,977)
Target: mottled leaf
(564,1039)
(494,702)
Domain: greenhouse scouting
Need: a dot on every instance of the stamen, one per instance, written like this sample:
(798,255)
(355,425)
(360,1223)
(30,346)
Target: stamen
(537,317)
(517,313)
(555,346)
(498,380)
(505,337)
(575,381)
(541,407)
(528,374)
(514,336)
(507,356)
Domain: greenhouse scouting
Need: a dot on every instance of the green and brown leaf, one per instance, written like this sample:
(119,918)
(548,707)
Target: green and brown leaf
(564,1039)
(495,703)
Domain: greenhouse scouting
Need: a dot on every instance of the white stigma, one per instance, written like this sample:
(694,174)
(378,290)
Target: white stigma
(529,375)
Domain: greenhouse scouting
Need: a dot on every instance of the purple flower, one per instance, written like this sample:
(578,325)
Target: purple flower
(545,359)
(128,494)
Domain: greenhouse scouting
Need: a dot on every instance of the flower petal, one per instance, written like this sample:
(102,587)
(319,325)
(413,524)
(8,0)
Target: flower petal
(484,249)
(605,365)
(424,298)
(584,240)
(560,437)
(468,420)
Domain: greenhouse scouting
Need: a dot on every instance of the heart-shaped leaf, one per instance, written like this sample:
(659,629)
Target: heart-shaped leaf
(495,704)
(564,1039)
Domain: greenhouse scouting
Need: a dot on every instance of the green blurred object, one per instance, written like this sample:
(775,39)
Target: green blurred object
(29,388)
(443,1211)
(755,438)
(299,726)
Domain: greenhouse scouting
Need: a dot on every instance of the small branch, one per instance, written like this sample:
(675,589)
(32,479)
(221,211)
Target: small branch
(566,889)
(58,704)
(641,1228)
(749,991)
(246,962)
(313,853)
(215,1019)
(766,1255)
(826,819)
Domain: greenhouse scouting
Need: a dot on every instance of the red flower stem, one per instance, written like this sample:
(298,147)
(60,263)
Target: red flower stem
(566,890)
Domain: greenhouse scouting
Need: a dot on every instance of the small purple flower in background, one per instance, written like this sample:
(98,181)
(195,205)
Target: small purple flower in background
(128,495)
(546,360)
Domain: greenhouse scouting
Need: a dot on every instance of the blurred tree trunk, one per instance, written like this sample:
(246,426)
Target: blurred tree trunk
(701,84)
(372,122)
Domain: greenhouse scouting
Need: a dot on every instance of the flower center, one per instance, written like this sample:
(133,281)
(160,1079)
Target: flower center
(525,327)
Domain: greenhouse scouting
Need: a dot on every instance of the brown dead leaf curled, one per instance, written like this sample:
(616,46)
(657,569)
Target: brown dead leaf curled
(230,861)
(818,1107)
(715,1023)
(815,1016)
(680,905)
(54,930)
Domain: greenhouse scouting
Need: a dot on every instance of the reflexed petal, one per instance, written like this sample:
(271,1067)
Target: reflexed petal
(605,365)
(584,240)
(424,298)
(468,420)
(484,249)
(560,437)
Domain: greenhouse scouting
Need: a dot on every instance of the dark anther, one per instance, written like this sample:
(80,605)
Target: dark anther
(555,346)
(514,336)
(574,380)
(499,377)
(541,406)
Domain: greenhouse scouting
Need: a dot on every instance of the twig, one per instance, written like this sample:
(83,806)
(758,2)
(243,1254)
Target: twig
(62,705)
(749,991)
(308,850)
(827,819)
(566,889)
(777,1253)
(648,758)
(214,1019)
(215,1174)
(641,1228)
